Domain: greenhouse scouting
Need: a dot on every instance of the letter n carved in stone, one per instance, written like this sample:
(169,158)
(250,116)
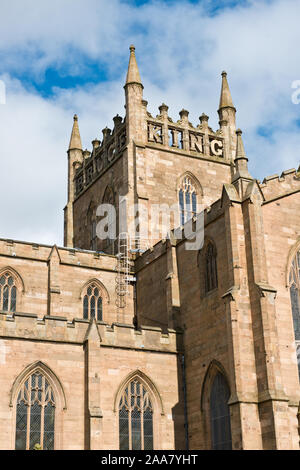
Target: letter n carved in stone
(196,142)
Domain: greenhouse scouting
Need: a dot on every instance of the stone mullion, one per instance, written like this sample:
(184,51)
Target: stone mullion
(185,139)
(42,411)
(43,404)
(3,296)
(165,129)
(165,133)
(9,299)
(142,428)
(129,422)
(28,416)
(89,307)
(42,425)
(96,306)
(174,138)
(185,131)
(28,428)
(205,141)
(189,205)
(206,144)
(184,206)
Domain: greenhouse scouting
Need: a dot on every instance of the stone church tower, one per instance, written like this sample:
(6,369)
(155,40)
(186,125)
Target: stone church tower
(133,341)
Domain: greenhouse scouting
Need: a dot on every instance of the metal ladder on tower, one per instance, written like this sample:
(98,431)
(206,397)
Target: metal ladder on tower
(126,247)
(122,275)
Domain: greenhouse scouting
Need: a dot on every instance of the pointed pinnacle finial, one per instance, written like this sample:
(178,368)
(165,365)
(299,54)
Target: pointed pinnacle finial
(225,98)
(240,149)
(241,160)
(133,74)
(75,141)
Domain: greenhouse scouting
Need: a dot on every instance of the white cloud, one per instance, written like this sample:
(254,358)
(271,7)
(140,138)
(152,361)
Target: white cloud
(34,138)
(35,35)
(181,52)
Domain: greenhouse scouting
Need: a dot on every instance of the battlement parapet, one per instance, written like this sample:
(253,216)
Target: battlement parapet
(275,186)
(69,256)
(177,236)
(146,338)
(182,135)
(156,251)
(103,155)
(58,329)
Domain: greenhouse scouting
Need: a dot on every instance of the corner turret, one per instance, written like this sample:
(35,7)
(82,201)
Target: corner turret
(135,109)
(241,177)
(75,158)
(227,116)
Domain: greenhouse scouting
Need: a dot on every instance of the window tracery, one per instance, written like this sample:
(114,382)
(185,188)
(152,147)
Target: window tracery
(294,283)
(187,199)
(35,414)
(135,418)
(92,303)
(8,293)
(211,277)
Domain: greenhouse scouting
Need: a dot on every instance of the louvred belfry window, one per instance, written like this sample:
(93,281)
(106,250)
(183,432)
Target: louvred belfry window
(35,414)
(294,282)
(211,278)
(92,303)
(92,224)
(111,229)
(187,199)
(135,418)
(8,293)
(93,236)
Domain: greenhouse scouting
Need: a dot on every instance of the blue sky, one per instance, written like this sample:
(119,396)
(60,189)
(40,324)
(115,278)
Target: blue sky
(64,56)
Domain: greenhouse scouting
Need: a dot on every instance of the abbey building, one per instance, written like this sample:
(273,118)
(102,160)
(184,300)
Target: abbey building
(139,343)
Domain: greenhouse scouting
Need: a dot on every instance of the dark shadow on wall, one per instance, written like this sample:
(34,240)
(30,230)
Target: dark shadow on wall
(179,412)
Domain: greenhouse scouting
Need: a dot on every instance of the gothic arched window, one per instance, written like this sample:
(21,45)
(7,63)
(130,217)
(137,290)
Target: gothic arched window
(92,303)
(108,243)
(135,418)
(219,414)
(92,224)
(211,277)
(93,235)
(8,293)
(294,282)
(35,414)
(187,199)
